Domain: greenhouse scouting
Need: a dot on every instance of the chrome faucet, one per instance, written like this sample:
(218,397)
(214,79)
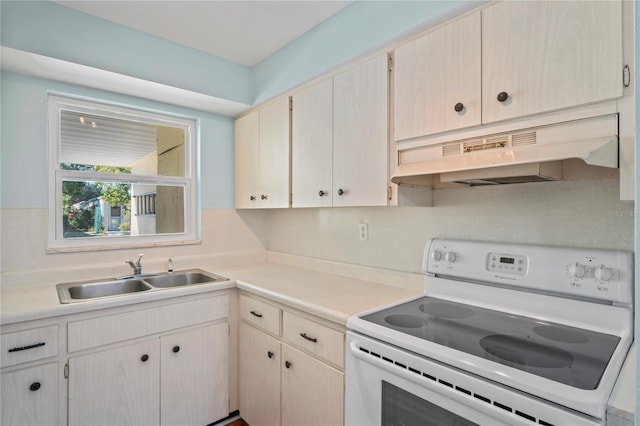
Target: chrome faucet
(137,267)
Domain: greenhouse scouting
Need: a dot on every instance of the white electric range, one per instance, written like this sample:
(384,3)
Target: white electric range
(504,334)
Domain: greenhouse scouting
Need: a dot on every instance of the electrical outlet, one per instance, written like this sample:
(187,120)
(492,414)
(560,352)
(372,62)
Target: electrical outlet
(363,231)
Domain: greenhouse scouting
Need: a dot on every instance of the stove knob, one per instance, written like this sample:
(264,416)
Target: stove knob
(602,273)
(576,271)
(450,256)
(436,255)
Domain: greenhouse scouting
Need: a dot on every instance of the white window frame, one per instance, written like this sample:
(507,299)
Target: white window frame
(190,182)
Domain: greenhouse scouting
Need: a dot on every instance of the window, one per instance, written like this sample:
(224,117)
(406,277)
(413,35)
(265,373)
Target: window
(119,177)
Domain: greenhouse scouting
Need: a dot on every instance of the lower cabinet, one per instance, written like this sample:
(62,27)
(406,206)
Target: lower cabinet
(179,378)
(30,396)
(312,392)
(259,377)
(287,384)
(117,386)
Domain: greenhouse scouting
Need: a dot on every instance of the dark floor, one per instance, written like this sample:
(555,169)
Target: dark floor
(238,423)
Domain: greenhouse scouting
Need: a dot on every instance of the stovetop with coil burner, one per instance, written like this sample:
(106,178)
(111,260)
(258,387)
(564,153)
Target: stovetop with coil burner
(569,355)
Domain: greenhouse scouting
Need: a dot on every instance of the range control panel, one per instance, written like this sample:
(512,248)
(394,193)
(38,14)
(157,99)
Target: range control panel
(590,273)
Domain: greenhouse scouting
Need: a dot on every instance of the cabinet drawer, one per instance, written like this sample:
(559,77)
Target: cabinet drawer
(129,325)
(316,338)
(29,345)
(260,314)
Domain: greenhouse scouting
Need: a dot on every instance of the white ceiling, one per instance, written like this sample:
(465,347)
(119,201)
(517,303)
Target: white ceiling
(245,32)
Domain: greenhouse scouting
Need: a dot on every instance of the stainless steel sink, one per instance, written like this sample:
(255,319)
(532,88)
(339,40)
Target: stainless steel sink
(82,291)
(70,292)
(182,278)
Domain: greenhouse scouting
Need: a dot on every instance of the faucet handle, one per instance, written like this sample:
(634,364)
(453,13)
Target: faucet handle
(139,258)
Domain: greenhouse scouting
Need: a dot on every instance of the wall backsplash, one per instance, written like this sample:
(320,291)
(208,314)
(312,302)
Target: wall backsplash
(573,213)
(226,239)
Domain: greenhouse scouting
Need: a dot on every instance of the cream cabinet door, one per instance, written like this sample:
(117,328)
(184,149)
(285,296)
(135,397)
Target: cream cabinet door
(437,80)
(247,152)
(30,396)
(312,392)
(118,386)
(194,376)
(259,377)
(274,155)
(360,137)
(547,55)
(312,146)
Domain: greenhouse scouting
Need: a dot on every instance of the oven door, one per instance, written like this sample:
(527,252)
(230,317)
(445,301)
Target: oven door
(388,386)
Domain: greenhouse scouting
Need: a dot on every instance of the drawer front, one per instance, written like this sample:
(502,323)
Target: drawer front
(29,345)
(129,325)
(313,337)
(260,314)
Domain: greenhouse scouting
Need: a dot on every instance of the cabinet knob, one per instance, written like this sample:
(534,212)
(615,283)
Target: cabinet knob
(176,349)
(459,107)
(34,386)
(503,96)
(287,364)
(322,193)
(264,197)
(270,354)
(340,191)
(144,358)
(252,198)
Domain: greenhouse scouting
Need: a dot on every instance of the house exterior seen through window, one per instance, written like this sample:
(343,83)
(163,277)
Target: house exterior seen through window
(119,177)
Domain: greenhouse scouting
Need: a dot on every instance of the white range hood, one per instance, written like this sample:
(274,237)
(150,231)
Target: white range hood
(530,155)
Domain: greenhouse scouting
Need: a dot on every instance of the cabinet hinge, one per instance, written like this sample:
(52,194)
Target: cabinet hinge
(389,193)
(390,62)
(228,329)
(626,76)
(66,371)
(290,103)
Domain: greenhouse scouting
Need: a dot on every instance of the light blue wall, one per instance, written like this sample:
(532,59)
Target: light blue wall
(23,148)
(52,30)
(361,27)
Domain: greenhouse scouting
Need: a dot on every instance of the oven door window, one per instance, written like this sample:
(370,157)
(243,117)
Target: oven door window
(400,408)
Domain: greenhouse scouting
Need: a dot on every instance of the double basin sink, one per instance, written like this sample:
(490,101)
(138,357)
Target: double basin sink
(82,291)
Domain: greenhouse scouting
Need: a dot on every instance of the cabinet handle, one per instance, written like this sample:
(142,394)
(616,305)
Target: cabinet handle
(322,193)
(176,349)
(264,197)
(24,348)
(255,314)
(287,364)
(252,198)
(340,191)
(144,358)
(503,96)
(34,386)
(270,354)
(459,107)
(311,339)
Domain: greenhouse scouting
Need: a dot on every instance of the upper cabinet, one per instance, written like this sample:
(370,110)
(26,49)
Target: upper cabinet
(512,59)
(340,139)
(262,157)
(361,134)
(544,56)
(312,146)
(437,80)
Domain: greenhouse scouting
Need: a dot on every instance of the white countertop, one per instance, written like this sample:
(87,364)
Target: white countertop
(330,296)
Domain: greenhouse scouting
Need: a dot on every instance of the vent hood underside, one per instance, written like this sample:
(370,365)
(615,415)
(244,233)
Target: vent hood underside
(532,156)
